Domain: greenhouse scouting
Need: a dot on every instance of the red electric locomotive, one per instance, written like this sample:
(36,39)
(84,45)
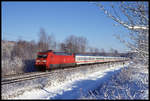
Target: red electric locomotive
(49,60)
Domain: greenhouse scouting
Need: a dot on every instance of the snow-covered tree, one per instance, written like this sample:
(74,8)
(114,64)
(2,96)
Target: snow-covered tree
(134,16)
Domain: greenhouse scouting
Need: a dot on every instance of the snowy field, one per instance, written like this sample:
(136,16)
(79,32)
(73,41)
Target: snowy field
(75,85)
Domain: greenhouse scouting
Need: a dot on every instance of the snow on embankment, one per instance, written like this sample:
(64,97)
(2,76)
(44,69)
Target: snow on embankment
(130,83)
(70,84)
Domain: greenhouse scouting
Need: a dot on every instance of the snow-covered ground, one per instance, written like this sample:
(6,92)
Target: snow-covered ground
(131,83)
(74,86)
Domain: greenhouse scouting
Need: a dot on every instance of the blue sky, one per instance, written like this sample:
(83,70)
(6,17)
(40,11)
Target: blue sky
(62,19)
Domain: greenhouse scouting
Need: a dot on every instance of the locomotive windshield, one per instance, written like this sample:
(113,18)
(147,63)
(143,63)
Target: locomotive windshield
(42,56)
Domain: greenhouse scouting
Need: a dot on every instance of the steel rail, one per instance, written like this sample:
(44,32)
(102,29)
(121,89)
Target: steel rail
(28,76)
(24,78)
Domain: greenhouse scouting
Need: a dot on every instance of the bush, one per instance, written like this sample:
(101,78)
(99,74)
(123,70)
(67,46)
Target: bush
(10,66)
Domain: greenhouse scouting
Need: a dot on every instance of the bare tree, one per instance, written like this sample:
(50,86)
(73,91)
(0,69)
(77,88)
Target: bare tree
(102,51)
(82,44)
(74,44)
(114,52)
(42,44)
(46,41)
(63,47)
(51,42)
(134,17)
(90,49)
(93,50)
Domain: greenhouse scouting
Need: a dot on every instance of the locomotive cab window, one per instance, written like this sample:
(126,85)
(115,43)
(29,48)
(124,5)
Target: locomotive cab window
(42,56)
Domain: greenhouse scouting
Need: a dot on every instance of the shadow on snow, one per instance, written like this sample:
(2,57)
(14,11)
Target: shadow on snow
(81,88)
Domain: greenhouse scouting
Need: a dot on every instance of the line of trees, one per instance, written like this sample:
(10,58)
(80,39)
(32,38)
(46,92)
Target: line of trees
(19,57)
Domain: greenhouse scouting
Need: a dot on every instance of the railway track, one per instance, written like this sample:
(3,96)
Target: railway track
(8,80)
(29,76)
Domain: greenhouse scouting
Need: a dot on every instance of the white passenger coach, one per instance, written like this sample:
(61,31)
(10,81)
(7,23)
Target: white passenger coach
(81,59)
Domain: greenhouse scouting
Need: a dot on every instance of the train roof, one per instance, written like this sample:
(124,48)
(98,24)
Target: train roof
(46,51)
(98,56)
(62,53)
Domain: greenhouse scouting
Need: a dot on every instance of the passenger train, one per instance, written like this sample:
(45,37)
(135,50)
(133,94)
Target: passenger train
(50,60)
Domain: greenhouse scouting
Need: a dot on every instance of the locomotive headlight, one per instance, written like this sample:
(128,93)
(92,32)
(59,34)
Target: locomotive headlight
(44,61)
(37,60)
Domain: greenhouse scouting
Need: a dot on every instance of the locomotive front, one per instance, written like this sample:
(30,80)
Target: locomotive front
(42,61)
